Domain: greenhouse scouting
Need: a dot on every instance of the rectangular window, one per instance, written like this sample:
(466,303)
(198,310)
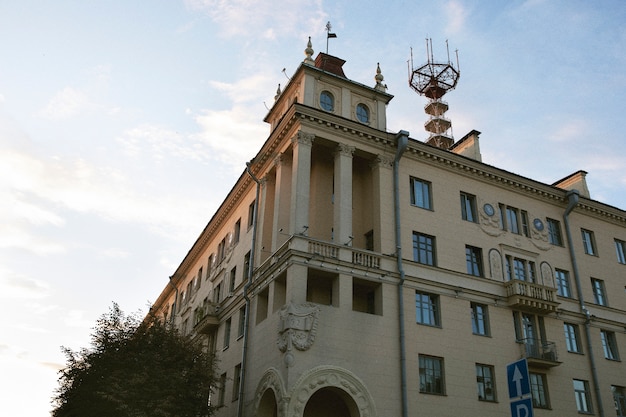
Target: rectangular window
(421,193)
(589,242)
(609,345)
(524,219)
(572,337)
(539,390)
(619,397)
(599,291)
(554,232)
(221,390)
(242,322)
(236,382)
(237,231)
(227,333)
(474,260)
(468,207)
(251,213)
(583,396)
(620,249)
(480,319)
(521,269)
(512,220)
(424,249)
(427,309)
(246,266)
(369,240)
(431,375)
(562,283)
(485,382)
(233,278)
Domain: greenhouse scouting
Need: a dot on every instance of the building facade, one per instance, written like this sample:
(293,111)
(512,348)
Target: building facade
(360,273)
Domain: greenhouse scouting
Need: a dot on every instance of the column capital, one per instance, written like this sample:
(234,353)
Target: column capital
(382,161)
(279,159)
(345,150)
(303,138)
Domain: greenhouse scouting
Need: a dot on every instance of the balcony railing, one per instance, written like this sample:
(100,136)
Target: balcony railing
(539,353)
(531,296)
(205,318)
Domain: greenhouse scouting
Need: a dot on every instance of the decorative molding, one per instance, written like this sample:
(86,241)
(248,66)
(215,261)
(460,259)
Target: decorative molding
(297,328)
(344,150)
(303,138)
(382,161)
(495,265)
(547,276)
(273,381)
(335,377)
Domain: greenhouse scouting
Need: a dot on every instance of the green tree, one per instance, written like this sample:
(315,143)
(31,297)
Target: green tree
(135,368)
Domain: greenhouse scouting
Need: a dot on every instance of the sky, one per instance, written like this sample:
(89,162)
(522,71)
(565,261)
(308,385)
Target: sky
(124,124)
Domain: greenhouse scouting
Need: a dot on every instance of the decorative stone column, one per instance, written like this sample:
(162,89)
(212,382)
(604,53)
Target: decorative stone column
(300,182)
(281,201)
(342,211)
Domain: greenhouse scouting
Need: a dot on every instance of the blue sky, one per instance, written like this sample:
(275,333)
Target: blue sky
(124,124)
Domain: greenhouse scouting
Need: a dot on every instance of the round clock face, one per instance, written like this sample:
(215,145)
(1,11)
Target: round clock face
(327,102)
(538,224)
(488,208)
(362,113)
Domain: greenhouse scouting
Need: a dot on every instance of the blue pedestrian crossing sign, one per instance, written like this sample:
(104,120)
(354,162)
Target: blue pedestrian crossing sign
(518,379)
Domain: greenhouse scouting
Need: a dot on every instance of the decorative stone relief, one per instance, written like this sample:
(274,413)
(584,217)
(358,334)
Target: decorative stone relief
(345,150)
(547,275)
(303,138)
(330,376)
(382,161)
(539,234)
(272,380)
(297,328)
(495,265)
(488,219)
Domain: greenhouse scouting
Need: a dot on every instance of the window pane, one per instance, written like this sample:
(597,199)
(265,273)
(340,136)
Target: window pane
(480,324)
(423,249)
(562,283)
(512,219)
(485,383)
(554,232)
(599,292)
(609,345)
(474,261)
(581,391)
(468,208)
(426,309)
(571,337)
(538,390)
(420,193)
(620,248)
(431,375)
(588,242)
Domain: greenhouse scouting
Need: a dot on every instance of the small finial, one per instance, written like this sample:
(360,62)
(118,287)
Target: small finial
(309,53)
(278,93)
(379,79)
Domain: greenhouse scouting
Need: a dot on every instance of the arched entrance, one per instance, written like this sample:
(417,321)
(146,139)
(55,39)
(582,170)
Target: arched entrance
(331,402)
(268,406)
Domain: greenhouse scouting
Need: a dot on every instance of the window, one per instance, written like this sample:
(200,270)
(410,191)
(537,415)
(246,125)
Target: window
(620,249)
(589,242)
(237,231)
(599,291)
(485,382)
(246,266)
(217,293)
(362,113)
(221,390)
(572,337)
(431,375)
(236,382)
(521,269)
(583,396)
(609,345)
(514,220)
(562,283)
(251,214)
(327,101)
(221,250)
(539,390)
(468,207)
(423,248)
(233,278)
(227,333)
(242,322)
(480,319)
(474,260)
(619,397)
(554,232)
(421,193)
(366,296)
(369,240)
(427,309)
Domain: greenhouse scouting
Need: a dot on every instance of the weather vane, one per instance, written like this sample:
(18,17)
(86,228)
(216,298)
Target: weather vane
(329,34)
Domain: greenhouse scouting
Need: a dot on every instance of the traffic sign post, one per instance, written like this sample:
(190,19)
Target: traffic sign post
(519,389)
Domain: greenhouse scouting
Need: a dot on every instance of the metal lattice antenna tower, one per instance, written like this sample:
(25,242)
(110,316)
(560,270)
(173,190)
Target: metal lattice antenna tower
(434,80)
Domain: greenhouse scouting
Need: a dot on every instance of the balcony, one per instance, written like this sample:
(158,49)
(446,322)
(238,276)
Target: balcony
(205,318)
(538,353)
(531,297)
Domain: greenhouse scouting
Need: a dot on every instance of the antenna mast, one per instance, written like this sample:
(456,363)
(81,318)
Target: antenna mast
(433,80)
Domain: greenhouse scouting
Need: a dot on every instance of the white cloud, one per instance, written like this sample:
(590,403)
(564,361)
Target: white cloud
(14,286)
(67,103)
(456,16)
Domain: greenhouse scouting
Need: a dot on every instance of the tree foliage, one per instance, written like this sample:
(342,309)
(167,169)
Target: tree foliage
(135,368)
